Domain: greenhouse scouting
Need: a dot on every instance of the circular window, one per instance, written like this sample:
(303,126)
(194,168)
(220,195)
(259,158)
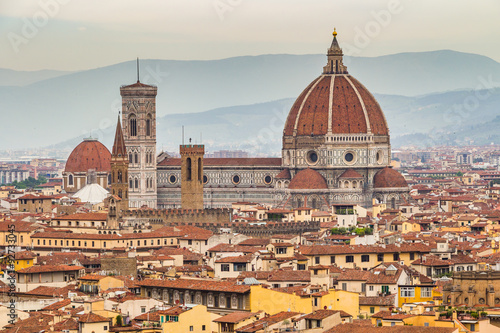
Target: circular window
(172,179)
(268,179)
(481,301)
(380,157)
(205,179)
(312,157)
(349,157)
(236,179)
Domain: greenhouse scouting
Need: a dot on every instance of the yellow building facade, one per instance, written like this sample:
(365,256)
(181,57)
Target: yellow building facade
(272,301)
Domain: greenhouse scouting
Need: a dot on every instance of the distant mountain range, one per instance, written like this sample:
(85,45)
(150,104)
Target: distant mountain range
(9,77)
(427,120)
(248,96)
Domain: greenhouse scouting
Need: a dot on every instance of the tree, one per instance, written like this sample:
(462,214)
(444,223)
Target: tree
(119,320)
(460,174)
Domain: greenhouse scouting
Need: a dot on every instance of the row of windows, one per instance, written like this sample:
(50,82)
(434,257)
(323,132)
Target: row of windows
(133,125)
(236,267)
(425,292)
(189,167)
(131,243)
(90,179)
(235,179)
(365,258)
(77,223)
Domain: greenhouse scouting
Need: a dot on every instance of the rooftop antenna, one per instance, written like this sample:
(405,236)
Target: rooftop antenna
(138,70)
(201,138)
(183,135)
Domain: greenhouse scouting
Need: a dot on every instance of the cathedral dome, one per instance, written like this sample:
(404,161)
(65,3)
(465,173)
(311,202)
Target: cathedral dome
(89,154)
(308,179)
(388,177)
(335,103)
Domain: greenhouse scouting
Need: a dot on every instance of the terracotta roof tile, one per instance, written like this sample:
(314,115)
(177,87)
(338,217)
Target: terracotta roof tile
(93,318)
(308,179)
(350,173)
(355,328)
(57,305)
(196,285)
(207,162)
(235,317)
(284,174)
(49,268)
(89,154)
(388,177)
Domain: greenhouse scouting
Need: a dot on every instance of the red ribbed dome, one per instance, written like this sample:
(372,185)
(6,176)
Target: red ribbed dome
(89,154)
(308,179)
(388,177)
(337,104)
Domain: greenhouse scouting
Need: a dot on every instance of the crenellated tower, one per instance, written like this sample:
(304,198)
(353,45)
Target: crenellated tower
(192,176)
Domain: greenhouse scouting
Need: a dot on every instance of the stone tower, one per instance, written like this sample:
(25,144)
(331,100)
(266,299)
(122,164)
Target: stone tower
(192,176)
(119,168)
(139,132)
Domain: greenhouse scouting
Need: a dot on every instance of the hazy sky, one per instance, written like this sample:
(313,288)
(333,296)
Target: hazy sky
(82,34)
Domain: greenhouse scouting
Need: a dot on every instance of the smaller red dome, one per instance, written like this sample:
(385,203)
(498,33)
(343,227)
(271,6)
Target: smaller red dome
(89,154)
(308,179)
(350,173)
(388,177)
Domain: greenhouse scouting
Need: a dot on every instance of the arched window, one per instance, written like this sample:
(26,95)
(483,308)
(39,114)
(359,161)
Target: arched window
(148,125)
(200,173)
(119,177)
(188,167)
(393,203)
(130,159)
(132,125)
(136,158)
(136,183)
(120,193)
(109,179)
(70,180)
(131,183)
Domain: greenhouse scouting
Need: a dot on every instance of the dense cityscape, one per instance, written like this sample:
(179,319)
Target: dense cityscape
(339,232)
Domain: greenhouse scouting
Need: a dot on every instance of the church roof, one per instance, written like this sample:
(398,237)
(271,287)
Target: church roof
(335,103)
(284,174)
(388,177)
(257,161)
(138,84)
(89,154)
(308,179)
(91,193)
(119,144)
(350,173)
